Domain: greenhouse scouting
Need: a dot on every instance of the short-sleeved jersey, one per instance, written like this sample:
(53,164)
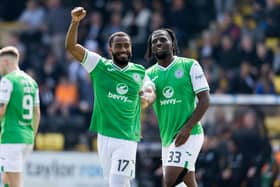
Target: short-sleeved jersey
(176,88)
(20,92)
(117,106)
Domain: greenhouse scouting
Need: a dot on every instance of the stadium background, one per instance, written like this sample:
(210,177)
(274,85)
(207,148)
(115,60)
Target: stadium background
(237,42)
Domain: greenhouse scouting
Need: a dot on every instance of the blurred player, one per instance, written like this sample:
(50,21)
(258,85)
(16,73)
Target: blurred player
(19,115)
(116,117)
(178,81)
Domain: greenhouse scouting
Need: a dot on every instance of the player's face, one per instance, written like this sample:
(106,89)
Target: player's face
(162,46)
(121,50)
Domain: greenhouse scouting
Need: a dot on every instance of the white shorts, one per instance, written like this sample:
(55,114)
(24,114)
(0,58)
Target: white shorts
(13,155)
(185,155)
(117,156)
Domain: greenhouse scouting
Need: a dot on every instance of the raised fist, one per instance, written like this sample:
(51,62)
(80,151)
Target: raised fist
(78,13)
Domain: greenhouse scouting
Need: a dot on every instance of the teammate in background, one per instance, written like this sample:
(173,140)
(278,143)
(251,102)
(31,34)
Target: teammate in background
(19,115)
(178,81)
(116,116)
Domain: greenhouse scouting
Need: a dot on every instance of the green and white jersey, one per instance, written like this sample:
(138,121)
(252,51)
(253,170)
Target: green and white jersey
(176,87)
(117,105)
(20,92)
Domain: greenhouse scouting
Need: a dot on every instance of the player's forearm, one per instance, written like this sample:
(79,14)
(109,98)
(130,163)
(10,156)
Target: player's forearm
(36,125)
(72,36)
(71,45)
(36,121)
(199,111)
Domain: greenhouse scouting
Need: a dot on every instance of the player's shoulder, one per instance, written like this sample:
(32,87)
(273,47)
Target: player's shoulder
(104,61)
(187,63)
(29,78)
(185,60)
(152,69)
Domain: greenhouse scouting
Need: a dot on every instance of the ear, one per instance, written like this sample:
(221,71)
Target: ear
(110,50)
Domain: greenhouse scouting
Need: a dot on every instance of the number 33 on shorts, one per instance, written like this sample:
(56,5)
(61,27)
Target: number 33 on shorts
(185,155)
(179,158)
(174,156)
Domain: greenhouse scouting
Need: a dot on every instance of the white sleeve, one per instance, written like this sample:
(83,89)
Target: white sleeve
(147,82)
(6,88)
(37,100)
(90,60)
(198,78)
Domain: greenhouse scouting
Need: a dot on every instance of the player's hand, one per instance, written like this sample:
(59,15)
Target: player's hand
(144,103)
(78,14)
(147,97)
(182,136)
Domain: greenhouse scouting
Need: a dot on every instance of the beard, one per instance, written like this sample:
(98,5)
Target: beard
(119,60)
(164,55)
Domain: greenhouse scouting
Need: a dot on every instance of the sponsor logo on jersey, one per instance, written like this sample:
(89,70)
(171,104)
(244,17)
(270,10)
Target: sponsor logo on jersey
(118,97)
(179,73)
(168,93)
(136,77)
(122,88)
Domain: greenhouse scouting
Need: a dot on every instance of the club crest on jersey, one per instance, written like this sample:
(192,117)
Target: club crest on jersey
(122,88)
(136,77)
(168,92)
(179,73)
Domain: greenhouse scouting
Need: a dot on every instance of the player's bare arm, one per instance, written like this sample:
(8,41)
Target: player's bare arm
(37,116)
(2,109)
(71,45)
(202,105)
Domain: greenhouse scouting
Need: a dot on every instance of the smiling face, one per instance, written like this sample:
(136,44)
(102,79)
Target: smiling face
(121,50)
(162,46)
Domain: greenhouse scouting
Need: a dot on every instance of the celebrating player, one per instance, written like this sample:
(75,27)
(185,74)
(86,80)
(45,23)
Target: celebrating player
(178,81)
(116,117)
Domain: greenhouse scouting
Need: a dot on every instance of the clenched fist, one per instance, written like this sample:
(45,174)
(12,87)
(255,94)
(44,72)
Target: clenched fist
(78,13)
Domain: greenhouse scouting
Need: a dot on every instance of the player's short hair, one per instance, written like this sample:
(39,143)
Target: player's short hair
(111,38)
(171,33)
(9,51)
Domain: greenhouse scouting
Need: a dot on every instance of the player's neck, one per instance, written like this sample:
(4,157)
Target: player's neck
(12,68)
(166,62)
(121,66)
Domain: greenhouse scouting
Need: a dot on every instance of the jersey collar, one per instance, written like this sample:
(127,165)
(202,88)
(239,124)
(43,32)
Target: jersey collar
(169,66)
(120,69)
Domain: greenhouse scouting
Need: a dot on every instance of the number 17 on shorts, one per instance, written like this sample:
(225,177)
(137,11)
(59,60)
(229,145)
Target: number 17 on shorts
(124,167)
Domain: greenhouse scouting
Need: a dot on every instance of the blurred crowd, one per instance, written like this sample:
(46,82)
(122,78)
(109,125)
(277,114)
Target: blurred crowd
(237,42)
(237,151)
